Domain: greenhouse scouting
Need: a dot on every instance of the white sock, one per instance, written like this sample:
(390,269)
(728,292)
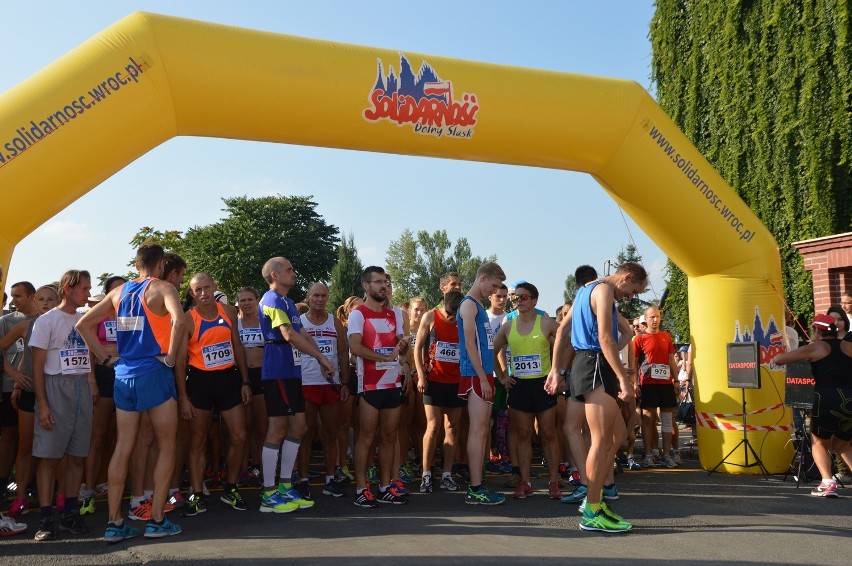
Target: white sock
(269,459)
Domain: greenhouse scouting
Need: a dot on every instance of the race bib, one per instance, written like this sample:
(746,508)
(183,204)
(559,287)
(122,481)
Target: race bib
(490,335)
(384,366)
(251,337)
(19,345)
(75,361)
(297,358)
(659,371)
(111,329)
(526,366)
(326,347)
(447,352)
(217,355)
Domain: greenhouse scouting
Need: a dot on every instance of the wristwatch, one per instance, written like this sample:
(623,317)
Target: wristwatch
(563,372)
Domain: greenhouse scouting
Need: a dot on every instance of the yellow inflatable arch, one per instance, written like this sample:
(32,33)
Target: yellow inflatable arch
(149,78)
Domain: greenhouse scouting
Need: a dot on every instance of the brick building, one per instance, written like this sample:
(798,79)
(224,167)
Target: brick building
(829,260)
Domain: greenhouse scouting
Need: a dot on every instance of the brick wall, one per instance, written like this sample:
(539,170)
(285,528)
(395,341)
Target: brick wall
(829,260)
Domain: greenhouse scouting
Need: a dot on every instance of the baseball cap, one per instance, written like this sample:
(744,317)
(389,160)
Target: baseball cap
(823,321)
(683,349)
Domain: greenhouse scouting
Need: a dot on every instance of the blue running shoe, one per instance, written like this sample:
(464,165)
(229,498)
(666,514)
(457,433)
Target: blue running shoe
(117,534)
(160,530)
(372,475)
(493,468)
(610,492)
(405,474)
(483,496)
(577,496)
(276,502)
(292,495)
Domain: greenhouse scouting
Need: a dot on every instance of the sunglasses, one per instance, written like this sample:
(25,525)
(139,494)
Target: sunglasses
(523,297)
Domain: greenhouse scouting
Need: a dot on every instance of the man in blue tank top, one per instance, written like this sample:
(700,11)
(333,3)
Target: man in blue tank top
(476,363)
(598,378)
(151,336)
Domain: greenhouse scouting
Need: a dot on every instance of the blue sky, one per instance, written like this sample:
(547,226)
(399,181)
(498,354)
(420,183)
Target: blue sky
(535,220)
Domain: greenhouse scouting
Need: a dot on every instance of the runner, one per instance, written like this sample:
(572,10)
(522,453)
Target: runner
(654,364)
(23,397)
(65,392)
(285,342)
(530,338)
(212,377)
(105,408)
(598,378)
(436,356)
(377,338)
(323,395)
(476,362)
(150,333)
(252,339)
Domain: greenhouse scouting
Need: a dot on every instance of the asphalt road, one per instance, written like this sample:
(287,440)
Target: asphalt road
(681,516)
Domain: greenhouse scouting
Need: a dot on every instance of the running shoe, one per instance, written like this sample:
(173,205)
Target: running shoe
(610,492)
(577,496)
(10,527)
(426,484)
(234,499)
(88,506)
(115,533)
(400,487)
(610,513)
(332,488)
(304,489)
(506,466)
(648,462)
(392,496)
(294,496)
(141,512)
(46,530)
(553,491)
(825,489)
(372,475)
(582,506)
(159,530)
(522,490)
(676,457)
(493,468)
(275,502)
(633,465)
(449,484)
(602,522)
(483,496)
(342,474)
(669,462)
(405,474)
(101,489)
(513,481)
(196,506)
(461,471)
(366,499)
(73,524)
(176,500)
(18,508)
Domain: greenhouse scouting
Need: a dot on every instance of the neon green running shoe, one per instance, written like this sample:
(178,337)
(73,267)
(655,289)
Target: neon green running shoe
(612,514)
(293,496)
(602,522)
(483,496)
(275,502)
(88,506)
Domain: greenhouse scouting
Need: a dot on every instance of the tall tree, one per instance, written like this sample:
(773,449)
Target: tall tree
(234,249)
(346,274)
(570,288)
(416,263)
(633,307)
(764,91)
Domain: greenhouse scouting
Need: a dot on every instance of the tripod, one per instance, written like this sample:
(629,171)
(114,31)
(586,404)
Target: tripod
(748,448)
(803,447)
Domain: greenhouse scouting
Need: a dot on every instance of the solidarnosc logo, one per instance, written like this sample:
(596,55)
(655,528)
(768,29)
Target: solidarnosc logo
(770,339)
(425,102)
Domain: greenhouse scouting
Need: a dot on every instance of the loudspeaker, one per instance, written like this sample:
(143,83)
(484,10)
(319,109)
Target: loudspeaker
(799,385)
(743,365)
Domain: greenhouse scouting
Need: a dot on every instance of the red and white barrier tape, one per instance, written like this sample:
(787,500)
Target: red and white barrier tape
(702,420)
